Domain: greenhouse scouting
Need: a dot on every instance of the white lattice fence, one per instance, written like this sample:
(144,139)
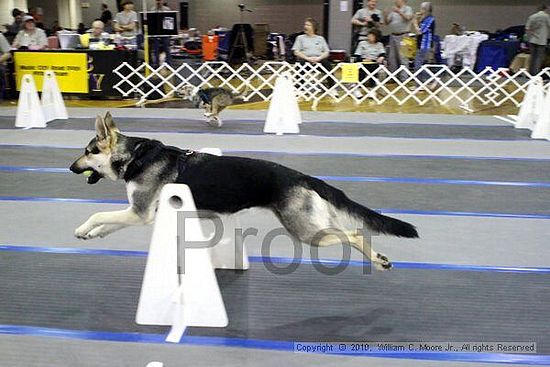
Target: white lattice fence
(432,83)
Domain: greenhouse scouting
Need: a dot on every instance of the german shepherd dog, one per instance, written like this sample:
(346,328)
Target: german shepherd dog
(214,100)
(306,206)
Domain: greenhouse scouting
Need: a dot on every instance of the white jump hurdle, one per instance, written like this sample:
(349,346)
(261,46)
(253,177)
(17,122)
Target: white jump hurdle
(179,287)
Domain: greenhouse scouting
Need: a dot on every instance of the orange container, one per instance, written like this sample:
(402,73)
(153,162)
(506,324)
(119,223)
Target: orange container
(210,48)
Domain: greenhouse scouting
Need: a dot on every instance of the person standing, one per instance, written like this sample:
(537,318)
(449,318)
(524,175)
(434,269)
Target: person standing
(399,22)
(366,19)
(160,44)
(537,27)
(424,24)
(126,21)
(107,18)
(17,24)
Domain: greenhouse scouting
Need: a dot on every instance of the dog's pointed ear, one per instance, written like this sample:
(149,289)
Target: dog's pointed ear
(110,123)
(101,130)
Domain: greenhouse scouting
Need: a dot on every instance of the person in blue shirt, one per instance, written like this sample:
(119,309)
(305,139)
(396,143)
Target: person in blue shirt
(424,24)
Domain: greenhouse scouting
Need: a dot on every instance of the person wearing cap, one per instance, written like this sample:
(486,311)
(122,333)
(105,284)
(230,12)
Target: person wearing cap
(30,36)
(125,22)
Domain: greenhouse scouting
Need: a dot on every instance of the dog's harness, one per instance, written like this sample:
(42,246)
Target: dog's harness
(204,96)
(145,153)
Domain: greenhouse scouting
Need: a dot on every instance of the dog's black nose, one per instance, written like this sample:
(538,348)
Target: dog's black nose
(74,168)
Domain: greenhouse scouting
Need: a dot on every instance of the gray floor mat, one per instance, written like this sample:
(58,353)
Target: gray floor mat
(307,128)
(513,200)
(340,165)
(92,292)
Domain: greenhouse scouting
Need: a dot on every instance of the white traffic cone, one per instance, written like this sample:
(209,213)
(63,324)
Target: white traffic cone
(283,116)
(52,100)
(531,105)
(542,126)
(29,109)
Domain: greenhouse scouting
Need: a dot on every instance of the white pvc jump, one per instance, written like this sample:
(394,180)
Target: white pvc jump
(179,287)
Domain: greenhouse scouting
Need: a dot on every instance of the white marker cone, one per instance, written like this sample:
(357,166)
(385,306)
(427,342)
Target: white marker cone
(531,105)
(542,126)
(283,116)
(29,109)
(52,100)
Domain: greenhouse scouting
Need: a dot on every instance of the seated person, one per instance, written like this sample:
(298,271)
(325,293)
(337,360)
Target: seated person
(30,37)
(5,48)
(5,55)
(97,38)
(312,48)
(373,54)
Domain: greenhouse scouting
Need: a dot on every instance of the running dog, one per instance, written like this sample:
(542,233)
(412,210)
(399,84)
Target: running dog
(310,209)
(214,100)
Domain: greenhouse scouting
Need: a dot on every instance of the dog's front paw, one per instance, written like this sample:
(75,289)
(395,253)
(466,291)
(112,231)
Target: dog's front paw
(82,232)
(381,262)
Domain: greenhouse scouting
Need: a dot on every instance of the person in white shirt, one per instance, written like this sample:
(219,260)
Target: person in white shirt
(30,36)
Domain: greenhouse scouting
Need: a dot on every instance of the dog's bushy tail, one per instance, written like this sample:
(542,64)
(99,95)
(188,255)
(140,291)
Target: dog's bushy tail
(374,220)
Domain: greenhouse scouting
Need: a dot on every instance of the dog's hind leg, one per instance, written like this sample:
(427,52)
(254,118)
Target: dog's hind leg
(380,261)
(316,222)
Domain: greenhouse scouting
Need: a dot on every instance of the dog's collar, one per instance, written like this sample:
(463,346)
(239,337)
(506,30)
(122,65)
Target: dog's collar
(145,152)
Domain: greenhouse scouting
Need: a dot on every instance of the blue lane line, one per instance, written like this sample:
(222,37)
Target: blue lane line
(33,169)
(288,346)
(462,214)
(402,180)
(232,133)
(62,200)
(284,260)
(432,181)
(381,210)
(72,250)
(321,154)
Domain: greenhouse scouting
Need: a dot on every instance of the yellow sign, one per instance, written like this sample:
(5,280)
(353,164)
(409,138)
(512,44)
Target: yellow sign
(70,68)
(350,73)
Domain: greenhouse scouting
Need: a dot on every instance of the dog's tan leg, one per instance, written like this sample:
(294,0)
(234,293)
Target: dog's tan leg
(104,230)
(208,109)
(380,261)
(124,217)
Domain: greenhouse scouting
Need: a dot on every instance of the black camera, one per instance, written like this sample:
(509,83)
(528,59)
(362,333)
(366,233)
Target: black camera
(375,18)
(242,6)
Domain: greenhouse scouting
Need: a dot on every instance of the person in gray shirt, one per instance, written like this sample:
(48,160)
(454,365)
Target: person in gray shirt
(537,28)
(312,48)
(125,22)
(5,48)
(30,36)
(399,22)
(367,18)
(5,55)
